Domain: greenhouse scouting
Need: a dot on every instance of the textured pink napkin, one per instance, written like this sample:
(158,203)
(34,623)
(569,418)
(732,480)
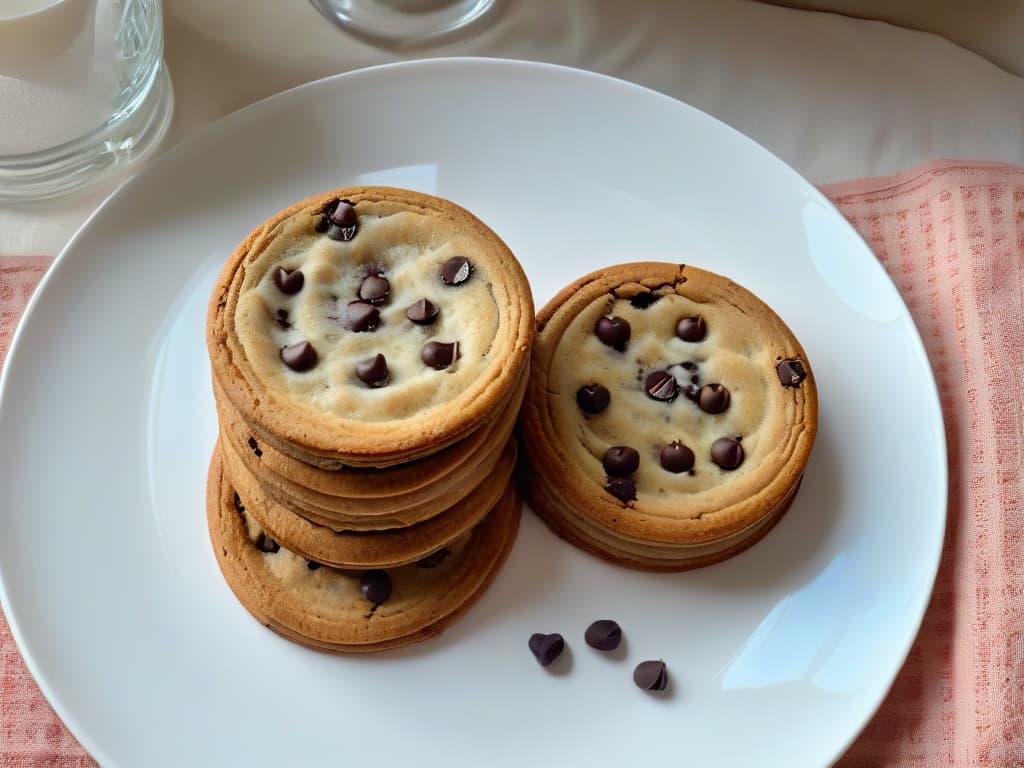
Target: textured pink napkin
(951,235)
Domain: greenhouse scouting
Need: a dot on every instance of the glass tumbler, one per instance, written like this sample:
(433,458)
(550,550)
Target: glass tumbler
(83,92)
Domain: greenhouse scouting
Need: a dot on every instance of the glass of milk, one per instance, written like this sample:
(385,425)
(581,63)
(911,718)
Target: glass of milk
(84,92)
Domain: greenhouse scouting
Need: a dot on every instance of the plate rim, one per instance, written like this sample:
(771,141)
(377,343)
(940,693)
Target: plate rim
(472,63)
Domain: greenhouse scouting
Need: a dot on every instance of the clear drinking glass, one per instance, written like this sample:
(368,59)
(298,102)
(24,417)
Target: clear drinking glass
(83,92)
(406,23)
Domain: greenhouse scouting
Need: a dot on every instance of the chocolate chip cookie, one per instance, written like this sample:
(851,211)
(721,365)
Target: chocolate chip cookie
(669,417)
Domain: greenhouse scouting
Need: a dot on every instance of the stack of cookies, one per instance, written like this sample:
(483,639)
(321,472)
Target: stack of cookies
(669,417)
(370,350)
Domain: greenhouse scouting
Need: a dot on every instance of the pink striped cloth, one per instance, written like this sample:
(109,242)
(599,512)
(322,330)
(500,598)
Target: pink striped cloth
(951,235)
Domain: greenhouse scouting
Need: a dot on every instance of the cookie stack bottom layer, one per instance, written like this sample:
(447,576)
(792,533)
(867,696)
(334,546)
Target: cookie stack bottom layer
(325,608)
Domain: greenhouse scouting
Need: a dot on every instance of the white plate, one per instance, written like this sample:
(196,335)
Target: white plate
(778,656)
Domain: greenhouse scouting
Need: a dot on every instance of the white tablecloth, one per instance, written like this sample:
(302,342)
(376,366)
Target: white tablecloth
(835,97)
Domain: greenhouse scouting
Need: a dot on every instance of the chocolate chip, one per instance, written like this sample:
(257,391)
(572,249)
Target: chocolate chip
(727,453)
(374,289)
(692,328)
(281,319)
(613,331)
(643,300)
(622,488)
(362,316)
(661,385)
(266,544)
(456,270)
(434,559)
(255,447)
(791,372)
(299,356)
(620,460)
(546,648)
(651,675)
(375,586)
(373,371)
(343,222)
(677,458)
(439,354)
(603,634)
(690,366)
(312,565)
(593,398)
(714,398)
(423,312)
(288,280)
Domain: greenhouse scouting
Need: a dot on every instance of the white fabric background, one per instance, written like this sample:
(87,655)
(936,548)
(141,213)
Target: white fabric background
(833,96)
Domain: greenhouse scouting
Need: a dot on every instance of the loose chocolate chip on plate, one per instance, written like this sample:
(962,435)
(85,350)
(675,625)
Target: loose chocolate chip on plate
(677,458)
(456,270)
(434,559)
(546,648)
(651,675)
(343,222)
(661,385)
(613,332)
(604,635)
(299,356)
(727,453)
(423,312)
(362,316)
(713,398)
(692,328)
(266,544)
(439,354)
(622,488)
(620,460)
(791,372)
(375,586)
(593,398)
(289,280)
(374,289)
(373,371)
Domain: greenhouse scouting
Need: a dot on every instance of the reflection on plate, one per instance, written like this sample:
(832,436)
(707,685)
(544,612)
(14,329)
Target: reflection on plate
(778,656)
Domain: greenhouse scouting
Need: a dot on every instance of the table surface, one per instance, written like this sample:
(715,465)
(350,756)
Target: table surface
(833,96)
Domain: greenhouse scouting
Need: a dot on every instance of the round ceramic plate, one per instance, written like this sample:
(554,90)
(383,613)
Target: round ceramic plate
(778,657)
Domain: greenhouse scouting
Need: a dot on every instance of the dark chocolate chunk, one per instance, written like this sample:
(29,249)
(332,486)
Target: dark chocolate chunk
(692,328)
(362,316)
(456,270)
(643,300)
(546,648)
(434,559)
(661,385)
(312,565)
(622,488)
(620,460)
(375,586)
(677,458)
(281,319)
(439,354)
(255,447)
(299,356)
(373,371)
(713,398)
(423,312)
(593,398)
(651,675)
(727,453)
(613,331)
(266,544)
(374,289)
(791,372)
(343,222)
(604,634)
(289,280)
